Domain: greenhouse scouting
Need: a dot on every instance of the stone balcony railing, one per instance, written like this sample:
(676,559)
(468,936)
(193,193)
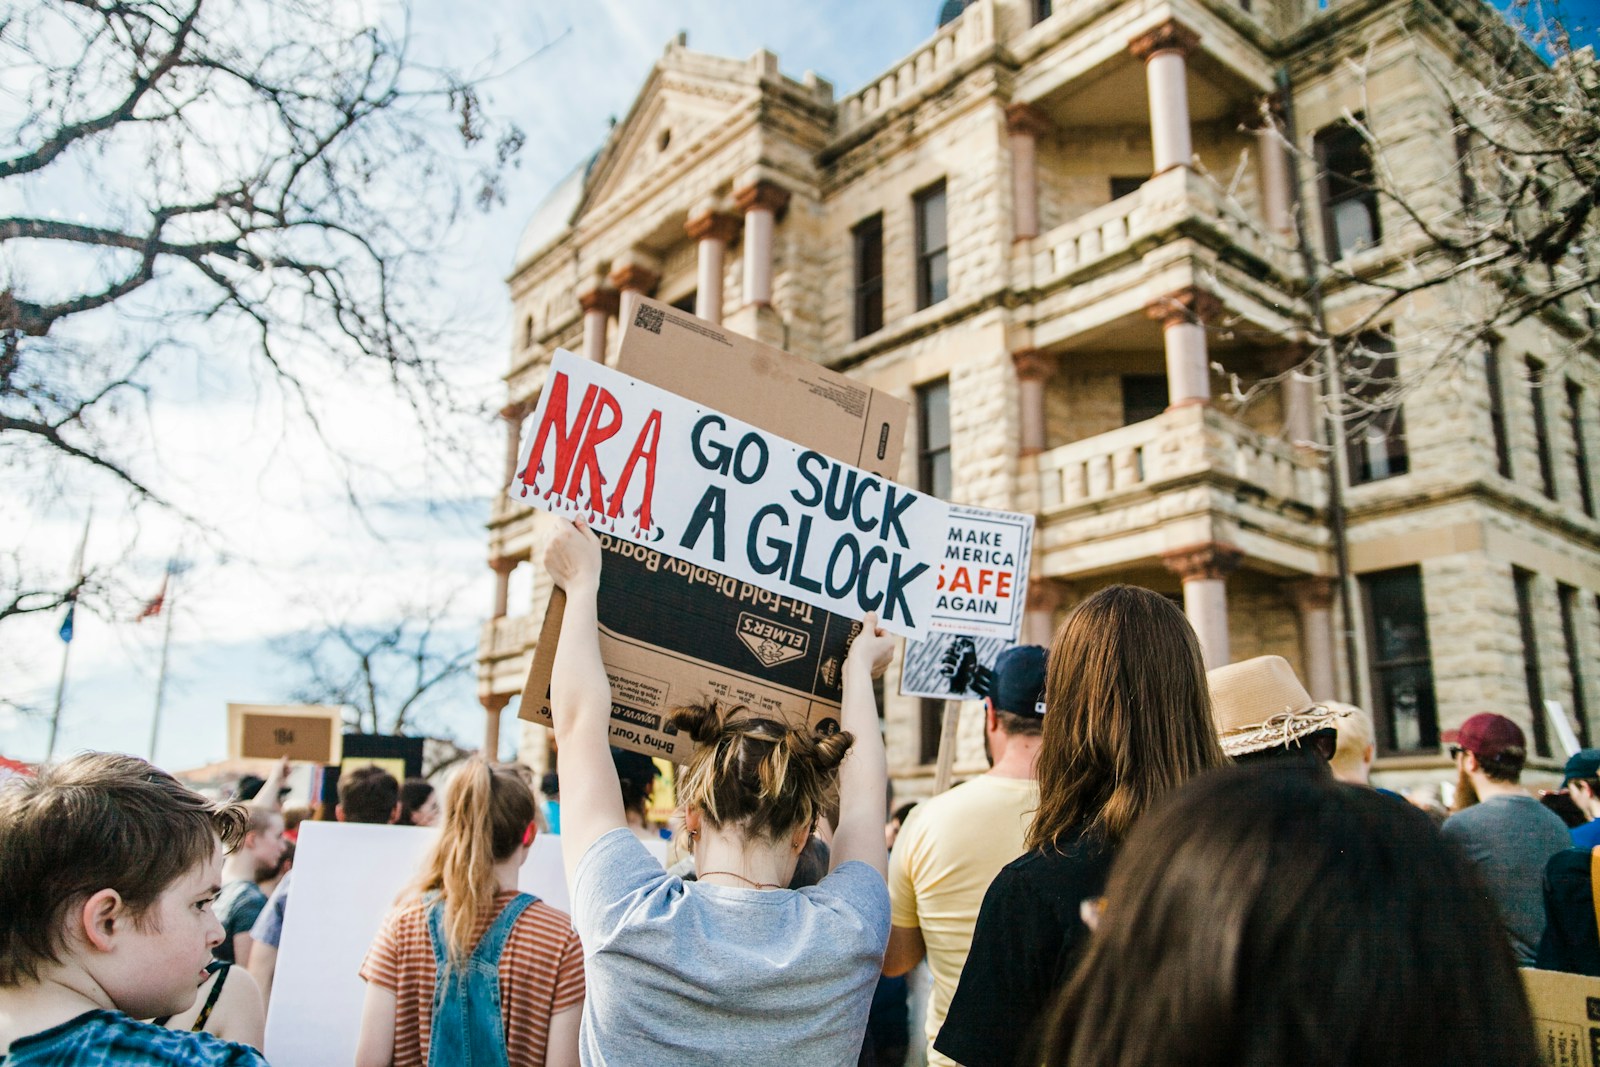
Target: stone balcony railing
(1183,443)
(508,636)
(1161,204)
(973,32)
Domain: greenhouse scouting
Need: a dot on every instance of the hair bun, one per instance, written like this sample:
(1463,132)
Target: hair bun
(703,723)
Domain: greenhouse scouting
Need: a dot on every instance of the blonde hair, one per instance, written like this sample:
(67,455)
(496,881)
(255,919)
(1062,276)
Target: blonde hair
(1355,735)
(486,813)
(760,775)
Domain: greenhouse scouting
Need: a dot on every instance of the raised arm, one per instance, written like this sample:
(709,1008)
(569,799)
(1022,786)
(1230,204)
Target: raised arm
(864,772)
(580,699)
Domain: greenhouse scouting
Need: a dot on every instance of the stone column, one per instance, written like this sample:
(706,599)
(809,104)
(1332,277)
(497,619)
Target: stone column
(1273,163)
(1204,569)
(1183,316)
(1033,371)
(761,204)
(632,276)
(1299,395)
(1039,617)
(1313,601)
(502,567)
(1163,51)
(713,230)
(598,304)
(1026,124)
(493,705)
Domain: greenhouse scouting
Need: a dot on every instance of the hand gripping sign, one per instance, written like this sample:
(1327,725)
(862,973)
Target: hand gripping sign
(653,468)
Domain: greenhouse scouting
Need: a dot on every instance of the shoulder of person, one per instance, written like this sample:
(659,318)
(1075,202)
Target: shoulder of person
(1570,864)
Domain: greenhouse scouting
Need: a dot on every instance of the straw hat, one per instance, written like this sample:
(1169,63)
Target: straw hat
(1259,703)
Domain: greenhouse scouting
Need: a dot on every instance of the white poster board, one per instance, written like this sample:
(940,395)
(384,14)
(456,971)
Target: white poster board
(982,586)
(651,467)
(346,878)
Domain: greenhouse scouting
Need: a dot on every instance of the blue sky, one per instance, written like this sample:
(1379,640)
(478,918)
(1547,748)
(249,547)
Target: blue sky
(287,549)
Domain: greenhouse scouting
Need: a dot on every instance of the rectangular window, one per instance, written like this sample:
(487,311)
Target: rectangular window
(1402,666)
(1523,581)
(1568,598)
(1463,140)
(1349,201)
(1580,447)
(933,246)
(1541,428)
(1497,410)
(1041,10)
(1375,435)
(933,438)
(1127,185)
(868,240)
(1144,396)
(932,714)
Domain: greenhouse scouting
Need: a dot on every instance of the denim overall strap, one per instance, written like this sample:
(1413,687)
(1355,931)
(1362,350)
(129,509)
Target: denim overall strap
(467,1029)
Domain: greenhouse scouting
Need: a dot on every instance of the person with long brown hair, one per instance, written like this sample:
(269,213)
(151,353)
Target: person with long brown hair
(1258,917)
(467,970)
(733,967)
(1127,719)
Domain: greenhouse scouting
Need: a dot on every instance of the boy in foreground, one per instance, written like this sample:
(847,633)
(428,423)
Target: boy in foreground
(110,870)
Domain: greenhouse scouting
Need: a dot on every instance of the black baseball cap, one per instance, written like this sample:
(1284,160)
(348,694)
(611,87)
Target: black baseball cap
(1018,685)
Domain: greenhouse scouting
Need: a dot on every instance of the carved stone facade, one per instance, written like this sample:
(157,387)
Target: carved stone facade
(1113,291)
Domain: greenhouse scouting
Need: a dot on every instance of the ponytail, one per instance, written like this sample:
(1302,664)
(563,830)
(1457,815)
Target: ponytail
(758,774)
(486,812)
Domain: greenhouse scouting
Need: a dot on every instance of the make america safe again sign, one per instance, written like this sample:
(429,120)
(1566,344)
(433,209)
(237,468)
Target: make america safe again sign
(651,467)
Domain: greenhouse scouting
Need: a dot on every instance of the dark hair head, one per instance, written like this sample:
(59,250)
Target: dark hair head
(1311,752)
(902,811)
(1246,917)
(758,775)
(414,792)
(636,774)
(368,794)
(1128,715)
(97,821)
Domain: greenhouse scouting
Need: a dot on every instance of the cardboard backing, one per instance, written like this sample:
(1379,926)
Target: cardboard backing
(673,634)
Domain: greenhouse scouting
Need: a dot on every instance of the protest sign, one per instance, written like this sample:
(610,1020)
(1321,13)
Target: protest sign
(1566,1017)
(306,732)
(655,469)
(346,878)
(982,586)
(950,666)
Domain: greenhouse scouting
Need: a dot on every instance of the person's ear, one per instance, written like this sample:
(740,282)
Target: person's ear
(529,834)
(338,813)
(989,719)
(1368,753)
(100,915)
(394,816)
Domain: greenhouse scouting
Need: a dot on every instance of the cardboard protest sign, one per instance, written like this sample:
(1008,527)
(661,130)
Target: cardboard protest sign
(346,878)
(1566,1017)
(653,468)
(983,573)
(791,397)
(672,633)
(950,666)
(306,732)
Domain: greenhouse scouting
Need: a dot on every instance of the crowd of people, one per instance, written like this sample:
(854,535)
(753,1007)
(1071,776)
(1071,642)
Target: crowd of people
(1162,865)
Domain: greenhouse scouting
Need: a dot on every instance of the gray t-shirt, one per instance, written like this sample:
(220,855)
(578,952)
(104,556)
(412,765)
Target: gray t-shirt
(692,973)
(1510,839)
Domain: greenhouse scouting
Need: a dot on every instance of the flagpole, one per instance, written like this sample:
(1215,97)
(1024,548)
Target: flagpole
(161,678)
(66,638)
(55,716)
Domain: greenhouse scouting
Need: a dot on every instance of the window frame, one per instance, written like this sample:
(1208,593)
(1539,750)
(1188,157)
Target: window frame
(1378,666)
(1338,187)
(927,254)
(1497,409)
(1580,447)
(929,449)
(867,291)
(1567,599)
(1532,672)
(1541,426)
(1359,466)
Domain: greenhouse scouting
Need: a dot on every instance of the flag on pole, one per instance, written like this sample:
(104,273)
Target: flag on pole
(153,606)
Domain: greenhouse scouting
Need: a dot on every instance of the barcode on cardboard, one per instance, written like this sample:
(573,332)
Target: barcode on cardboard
(648,318)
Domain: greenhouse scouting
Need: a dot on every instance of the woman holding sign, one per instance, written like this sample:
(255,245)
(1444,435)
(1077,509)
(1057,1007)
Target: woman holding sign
(732,968)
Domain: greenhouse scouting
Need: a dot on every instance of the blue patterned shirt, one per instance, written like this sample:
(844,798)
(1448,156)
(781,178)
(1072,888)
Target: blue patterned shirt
(112,1039)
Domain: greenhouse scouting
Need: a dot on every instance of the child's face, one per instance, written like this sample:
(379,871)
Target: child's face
(160,963)
(266,846)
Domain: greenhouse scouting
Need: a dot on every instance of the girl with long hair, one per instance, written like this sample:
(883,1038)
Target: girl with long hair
(1127,719)
(1260,918)
(466,969)
(733,967)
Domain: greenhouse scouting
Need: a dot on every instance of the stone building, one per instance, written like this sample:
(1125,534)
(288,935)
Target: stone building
(1066,234)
